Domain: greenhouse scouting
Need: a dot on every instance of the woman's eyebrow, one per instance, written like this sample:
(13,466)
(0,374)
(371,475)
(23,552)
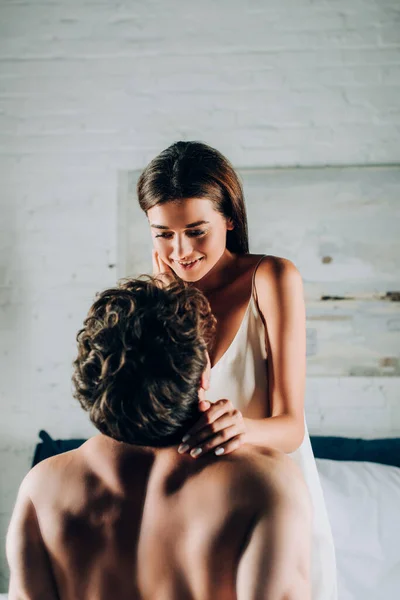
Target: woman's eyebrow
(195,224)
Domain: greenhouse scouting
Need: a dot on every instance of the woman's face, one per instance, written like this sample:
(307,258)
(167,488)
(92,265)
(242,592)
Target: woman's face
(189,236)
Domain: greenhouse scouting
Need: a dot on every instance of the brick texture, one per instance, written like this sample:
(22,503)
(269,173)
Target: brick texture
(90,88)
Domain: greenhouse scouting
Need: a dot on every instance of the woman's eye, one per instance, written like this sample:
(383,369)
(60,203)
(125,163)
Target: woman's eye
(195,233)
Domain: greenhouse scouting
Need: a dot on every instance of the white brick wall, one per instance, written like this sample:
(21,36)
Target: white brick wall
(92,87)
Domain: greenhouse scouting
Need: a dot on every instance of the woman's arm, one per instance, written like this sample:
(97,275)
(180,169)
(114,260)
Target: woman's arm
(222,428)
(280,298)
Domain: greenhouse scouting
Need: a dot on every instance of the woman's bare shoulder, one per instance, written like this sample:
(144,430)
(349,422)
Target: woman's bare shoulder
(276,267)
(270,268)
(277,276)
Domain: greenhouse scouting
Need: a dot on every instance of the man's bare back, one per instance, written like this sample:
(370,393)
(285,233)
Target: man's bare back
(110,520)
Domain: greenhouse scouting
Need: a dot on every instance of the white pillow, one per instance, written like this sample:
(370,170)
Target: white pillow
(363,502)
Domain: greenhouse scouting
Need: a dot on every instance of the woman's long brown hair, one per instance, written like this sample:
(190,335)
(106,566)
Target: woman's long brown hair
(195,170)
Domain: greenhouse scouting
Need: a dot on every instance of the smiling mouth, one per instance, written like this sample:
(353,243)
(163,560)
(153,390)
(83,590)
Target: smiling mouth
(188,264)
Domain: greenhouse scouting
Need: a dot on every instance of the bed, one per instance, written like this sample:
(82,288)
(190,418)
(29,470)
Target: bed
(363,502)
(361,483)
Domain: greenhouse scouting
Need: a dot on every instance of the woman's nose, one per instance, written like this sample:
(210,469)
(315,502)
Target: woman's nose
(183,247)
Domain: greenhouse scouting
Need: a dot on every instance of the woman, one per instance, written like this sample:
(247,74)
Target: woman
(194,203)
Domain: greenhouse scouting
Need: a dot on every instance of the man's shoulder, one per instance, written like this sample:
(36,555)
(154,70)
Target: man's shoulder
(249,464)
(256,458)
(50,473)
(260,472)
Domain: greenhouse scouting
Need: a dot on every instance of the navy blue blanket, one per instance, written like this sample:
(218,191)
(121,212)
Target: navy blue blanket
(385,451)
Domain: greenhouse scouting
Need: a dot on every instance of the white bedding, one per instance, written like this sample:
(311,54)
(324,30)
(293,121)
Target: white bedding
(363,501)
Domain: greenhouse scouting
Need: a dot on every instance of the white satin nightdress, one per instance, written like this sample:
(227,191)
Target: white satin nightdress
(241,376)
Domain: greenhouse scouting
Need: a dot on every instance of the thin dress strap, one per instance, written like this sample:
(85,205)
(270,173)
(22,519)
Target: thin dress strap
(253,289)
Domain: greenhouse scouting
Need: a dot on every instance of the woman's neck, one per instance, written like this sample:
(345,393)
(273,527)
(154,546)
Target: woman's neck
(220,275)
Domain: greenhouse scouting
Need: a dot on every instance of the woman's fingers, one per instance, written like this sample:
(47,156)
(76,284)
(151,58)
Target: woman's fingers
(215,428)
(157,263)
(214,412)
(216,434)
(225,442)
(231,445)
(161,270)
(204,405)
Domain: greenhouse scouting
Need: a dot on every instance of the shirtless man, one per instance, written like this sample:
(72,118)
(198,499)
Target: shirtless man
(127,517)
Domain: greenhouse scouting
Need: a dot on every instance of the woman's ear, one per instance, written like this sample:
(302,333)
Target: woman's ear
(229,224)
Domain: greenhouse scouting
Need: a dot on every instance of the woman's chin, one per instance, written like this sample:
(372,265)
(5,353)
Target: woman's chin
(191,274)
(188,278)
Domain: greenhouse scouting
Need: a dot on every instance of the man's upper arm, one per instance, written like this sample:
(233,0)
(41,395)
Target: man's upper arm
(31,576)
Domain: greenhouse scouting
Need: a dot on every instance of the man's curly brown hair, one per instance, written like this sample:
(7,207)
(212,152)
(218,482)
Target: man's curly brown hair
(141,354)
